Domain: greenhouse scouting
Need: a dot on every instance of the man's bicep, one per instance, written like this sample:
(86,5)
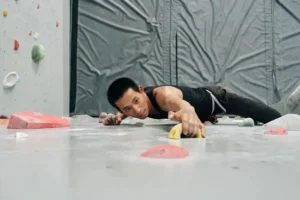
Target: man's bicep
(164,93)
(169,98)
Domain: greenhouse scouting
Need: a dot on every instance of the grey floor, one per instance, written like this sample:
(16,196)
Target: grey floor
(89,161)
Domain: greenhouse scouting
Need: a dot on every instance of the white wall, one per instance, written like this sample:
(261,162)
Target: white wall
(44,86)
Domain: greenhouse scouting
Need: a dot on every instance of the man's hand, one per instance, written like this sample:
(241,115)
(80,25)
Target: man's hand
(191,124)
(111,119)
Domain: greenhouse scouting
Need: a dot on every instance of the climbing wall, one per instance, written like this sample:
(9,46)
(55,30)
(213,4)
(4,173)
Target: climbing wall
(34,46)
(249,46)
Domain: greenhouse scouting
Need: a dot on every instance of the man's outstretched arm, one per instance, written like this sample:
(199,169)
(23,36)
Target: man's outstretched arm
(170,99)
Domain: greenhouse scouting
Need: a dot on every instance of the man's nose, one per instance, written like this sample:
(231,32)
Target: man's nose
(136,109)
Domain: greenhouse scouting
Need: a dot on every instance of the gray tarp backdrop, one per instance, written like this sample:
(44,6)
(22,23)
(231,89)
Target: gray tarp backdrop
(249,46)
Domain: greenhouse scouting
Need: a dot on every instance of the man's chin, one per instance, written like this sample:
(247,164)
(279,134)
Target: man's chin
(142,117)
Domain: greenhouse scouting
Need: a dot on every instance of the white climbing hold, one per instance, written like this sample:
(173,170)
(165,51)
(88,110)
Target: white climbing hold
(11,79)
(36,35)
(21,135)
(248,122)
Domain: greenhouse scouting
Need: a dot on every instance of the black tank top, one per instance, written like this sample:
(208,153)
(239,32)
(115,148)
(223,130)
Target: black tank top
(199,98)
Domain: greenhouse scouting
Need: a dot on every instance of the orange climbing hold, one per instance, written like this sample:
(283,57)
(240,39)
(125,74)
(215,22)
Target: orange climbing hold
(34,120)
(165,151)
(17,45)
(3,120)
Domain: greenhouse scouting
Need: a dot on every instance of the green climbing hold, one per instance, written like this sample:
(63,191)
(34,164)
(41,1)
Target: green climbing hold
(38,53)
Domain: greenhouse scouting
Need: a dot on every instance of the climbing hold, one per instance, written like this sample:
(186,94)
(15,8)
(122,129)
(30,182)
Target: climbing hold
(57,24)
(276,131)
(166,151)
(38,6)
(38,53)
(21,135)
(17,45)
(139,124)
(3,117)
(207,123)
(5,13)
(248,122)
(11,79)
(176,132)
(35,120)
(103,115)
(3,120)
(30,33)
(36,35)
(225,117)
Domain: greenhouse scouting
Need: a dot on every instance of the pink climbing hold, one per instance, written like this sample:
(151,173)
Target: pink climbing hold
(276,131)
(34,120)
(165,151)
(38,6)
(30,33)
(57,23)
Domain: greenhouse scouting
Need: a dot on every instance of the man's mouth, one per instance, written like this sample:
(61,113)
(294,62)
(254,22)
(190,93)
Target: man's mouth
(142,114)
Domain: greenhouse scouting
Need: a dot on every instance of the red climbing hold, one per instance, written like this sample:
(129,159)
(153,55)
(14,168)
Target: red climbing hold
(34,120)
(165,151)
(276,131)
(17,45)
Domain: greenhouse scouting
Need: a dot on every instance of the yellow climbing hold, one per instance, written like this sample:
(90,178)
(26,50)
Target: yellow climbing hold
(5,13)
(176,131)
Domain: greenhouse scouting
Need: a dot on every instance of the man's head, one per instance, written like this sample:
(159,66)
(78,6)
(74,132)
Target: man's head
(129,98)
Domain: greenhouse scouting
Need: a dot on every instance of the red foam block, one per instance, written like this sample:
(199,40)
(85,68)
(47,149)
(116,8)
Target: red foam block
(34,120)
(165,151)
(276,131)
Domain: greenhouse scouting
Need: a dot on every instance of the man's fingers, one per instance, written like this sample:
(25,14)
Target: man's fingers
(171,115)
(196,129)
(203,131)
(185,124)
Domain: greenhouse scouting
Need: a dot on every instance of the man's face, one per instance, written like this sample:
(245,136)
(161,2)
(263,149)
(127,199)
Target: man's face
(134,104)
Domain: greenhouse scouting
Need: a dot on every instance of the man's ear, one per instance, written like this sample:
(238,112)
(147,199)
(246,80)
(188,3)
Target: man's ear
(141,89)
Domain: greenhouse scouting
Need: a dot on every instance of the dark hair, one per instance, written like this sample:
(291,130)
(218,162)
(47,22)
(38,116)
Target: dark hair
(118,88)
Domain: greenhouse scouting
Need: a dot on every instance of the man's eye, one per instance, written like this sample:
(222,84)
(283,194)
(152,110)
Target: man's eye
(136,101)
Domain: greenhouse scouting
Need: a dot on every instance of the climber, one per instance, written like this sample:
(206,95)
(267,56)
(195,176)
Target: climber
(189,106)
